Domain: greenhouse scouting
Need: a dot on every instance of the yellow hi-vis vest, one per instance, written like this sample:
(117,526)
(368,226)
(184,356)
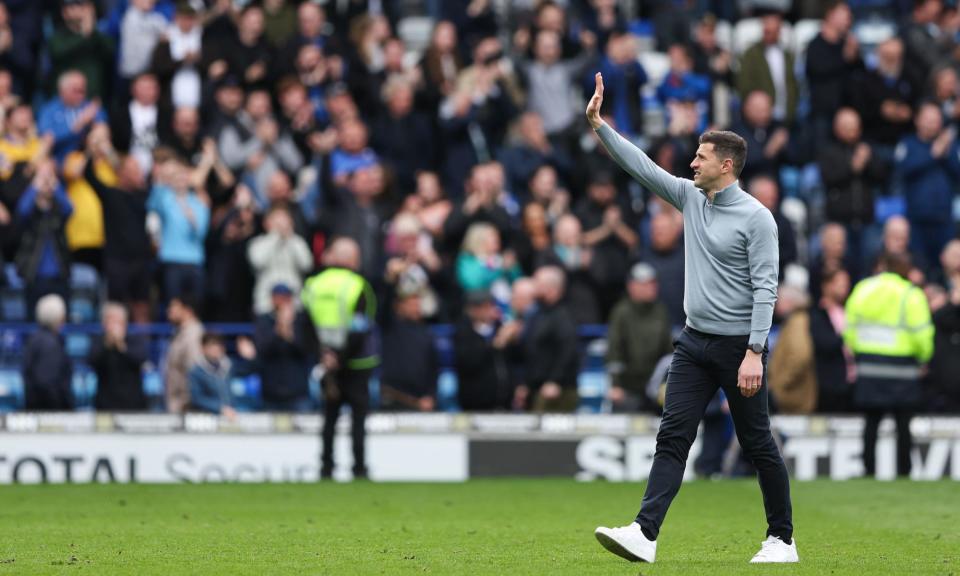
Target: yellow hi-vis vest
(330,299)
(888,316)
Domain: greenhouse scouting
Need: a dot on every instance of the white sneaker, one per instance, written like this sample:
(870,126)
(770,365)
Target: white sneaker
(774,550)
(627,542)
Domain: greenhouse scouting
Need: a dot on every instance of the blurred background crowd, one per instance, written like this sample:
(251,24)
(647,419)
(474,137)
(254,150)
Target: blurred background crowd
(170,166)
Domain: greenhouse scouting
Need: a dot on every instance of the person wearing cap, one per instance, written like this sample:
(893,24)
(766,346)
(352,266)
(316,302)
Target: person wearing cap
(482,348)
(285,353)
(731,267)
(638,336)
(78,45)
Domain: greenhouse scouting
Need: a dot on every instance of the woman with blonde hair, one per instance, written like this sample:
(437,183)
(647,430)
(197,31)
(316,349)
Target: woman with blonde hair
(482,267)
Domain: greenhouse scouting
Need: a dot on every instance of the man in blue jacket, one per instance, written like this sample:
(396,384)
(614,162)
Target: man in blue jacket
(67,119)
(928,164)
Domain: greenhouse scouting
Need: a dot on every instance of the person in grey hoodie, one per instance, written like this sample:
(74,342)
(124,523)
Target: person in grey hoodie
(731,261)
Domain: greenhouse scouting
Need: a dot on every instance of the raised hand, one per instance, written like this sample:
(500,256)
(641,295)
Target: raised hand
(596,101)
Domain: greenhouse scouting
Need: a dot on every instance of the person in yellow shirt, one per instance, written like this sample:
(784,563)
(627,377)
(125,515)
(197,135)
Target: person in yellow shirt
(84,231)
(20,147)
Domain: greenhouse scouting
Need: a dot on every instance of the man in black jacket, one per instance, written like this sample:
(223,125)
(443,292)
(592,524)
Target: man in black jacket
(135,126)
(46,366)
(945,364)
(851,170)
(885,96)
(285,342)
(408,377)
(480,344)
(832,362)
(118,359)
(832,56)
(551,347)
(127,247)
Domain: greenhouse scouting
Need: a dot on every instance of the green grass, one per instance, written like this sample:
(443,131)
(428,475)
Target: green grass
(482,527)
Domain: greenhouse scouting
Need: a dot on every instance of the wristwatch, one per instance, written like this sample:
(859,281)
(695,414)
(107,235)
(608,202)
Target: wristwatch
(756,348)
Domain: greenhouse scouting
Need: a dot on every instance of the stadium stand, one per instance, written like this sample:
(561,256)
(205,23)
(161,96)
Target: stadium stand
(349,117)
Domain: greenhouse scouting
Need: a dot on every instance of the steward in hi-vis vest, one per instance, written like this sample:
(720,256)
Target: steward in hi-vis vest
(342,306)
(891,337)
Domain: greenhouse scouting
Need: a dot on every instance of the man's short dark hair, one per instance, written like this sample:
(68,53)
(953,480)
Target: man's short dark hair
(832,5)
(899,264)
(211,338)
(726,144)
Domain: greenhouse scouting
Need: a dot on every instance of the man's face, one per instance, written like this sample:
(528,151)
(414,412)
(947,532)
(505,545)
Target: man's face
(929,122)
(846,126)
(602,194)
(896,237)
(214,351)
(186,123)
(833,241)
(841,18)
(146,91)
(281,301)
(758,109)
(663,233)
(310,20)
(21,120)
(547,48)
(74,13)
(115,323)
(251,25)
(230,99)
(544,184)
(643,291)
(258,105)
(353,136)
(486,313)
(131,174)
(185,22)
(766,192)
(175,312)
(74,91)
(771,29)
(279,188)
(890,56)
(707,167)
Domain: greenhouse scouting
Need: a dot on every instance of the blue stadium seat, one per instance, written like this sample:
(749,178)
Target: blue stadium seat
(12,305)
(84,385)
(11,389)
(84,293)
(593,381)
(11,277)
(447,387)
(77,345)
(246,393)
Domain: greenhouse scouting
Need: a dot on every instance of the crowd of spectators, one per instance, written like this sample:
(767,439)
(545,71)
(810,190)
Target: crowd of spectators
(200,155)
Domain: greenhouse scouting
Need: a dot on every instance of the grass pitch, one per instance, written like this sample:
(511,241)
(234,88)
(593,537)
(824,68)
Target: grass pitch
(482,527)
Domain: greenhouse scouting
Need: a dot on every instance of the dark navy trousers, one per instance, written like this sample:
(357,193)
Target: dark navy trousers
(701,364)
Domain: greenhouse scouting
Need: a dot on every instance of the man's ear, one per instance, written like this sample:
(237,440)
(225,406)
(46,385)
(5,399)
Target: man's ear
(726,165)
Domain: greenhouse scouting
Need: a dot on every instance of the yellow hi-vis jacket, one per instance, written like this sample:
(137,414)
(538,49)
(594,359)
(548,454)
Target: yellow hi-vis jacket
(890,334)
(331,299)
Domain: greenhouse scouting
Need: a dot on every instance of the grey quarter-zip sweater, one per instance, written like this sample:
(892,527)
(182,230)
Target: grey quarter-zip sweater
(730,245)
